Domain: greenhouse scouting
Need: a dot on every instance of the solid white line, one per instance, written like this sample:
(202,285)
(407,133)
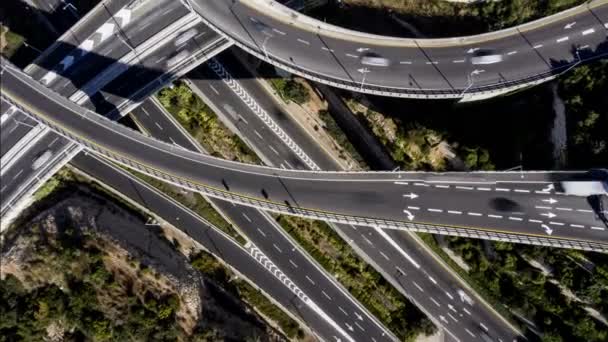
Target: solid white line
(261,232)
(562,39)
(434,301)
(515,218)
(435,210)
(273,150)
(246,217)
(473,214)
(556,223)
(303,41)
(589,31)
(18,174)
(413,208)
(214,90)
(417,286)
(598,228)
(455,212)
(494,216)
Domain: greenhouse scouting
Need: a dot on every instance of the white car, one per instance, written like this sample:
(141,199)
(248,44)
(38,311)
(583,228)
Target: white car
(484,57)
(375,60)
(42,159)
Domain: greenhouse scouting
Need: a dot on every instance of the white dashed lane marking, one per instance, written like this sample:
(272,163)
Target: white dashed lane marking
(455,212)
(473,214)
(494,216)
(413,208)
(434,301)
(515,218)
(589,31)
(418,286)
(538,46)
(435,210)
(562,39)
(303,41)
(556,223)
(326,295)
(405,62)
(598,228)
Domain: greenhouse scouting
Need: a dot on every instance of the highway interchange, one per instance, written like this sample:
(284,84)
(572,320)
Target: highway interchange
(532,196)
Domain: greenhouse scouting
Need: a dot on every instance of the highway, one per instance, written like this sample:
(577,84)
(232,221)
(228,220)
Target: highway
(160,45)
(401,259)
(265,234)
(426,68)
(244,260)
(498,204)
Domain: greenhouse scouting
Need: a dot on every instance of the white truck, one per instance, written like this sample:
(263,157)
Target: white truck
(585,188)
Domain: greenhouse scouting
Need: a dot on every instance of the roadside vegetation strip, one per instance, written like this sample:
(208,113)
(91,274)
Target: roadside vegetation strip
(10,42)
(363,282)
(203,124)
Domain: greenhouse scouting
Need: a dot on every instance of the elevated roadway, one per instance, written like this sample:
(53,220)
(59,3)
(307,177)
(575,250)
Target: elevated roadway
(419,68)
(371,199)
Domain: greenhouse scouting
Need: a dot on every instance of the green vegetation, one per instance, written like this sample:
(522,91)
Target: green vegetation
(439,18)
(204,125)
(9,42)
(195,202)
(360,279)
(88,301)
(47,188)
(331,126)
(210,266)
(584,93)
(540,295)
(290,90)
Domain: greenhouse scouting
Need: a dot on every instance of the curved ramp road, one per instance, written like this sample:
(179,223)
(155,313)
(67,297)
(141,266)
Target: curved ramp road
(382,65)
(490,205)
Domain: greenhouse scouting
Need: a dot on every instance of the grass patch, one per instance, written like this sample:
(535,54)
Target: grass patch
(290,90)
(203,124)
(332,128)
(365,284)
(10,42)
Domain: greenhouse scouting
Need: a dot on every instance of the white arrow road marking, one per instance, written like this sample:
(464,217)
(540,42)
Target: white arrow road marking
(549,215)
(570,25)
(362,49)
(471,50)
(411,195)
(105,30)
(124,15)
(363,70)
(477,71)
(548,229)
(443,319)
(359,317)
(409,215)
(67,61)
(350,327)
(548,188)
(550,200)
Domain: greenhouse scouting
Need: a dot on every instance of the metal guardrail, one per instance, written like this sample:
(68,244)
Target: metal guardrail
(319,215)
(453,93)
